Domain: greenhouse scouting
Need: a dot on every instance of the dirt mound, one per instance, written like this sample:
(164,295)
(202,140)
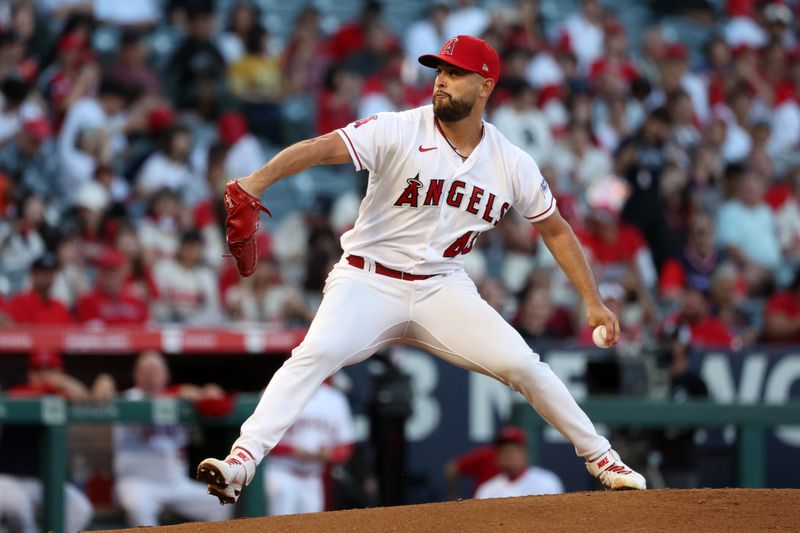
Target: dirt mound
(646,511)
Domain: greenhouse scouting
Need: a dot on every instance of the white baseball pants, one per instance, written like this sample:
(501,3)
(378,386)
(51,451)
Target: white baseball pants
(289,493)
(362,311)
(28,496)
(143,500)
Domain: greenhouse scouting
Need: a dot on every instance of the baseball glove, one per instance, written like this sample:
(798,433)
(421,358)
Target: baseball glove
(241,225)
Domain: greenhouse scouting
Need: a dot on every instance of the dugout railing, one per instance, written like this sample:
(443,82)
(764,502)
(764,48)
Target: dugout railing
(53,415)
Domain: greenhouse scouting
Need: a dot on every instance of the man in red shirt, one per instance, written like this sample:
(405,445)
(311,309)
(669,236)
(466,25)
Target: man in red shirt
(108,304)
(706,329)
(35,306)
(782,314)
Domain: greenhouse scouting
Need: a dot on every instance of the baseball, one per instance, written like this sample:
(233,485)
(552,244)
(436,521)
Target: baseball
(599,337)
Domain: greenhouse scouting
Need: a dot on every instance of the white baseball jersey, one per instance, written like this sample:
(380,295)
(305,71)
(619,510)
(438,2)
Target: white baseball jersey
(149,451)
(533,482)
(425,205)
(325,422)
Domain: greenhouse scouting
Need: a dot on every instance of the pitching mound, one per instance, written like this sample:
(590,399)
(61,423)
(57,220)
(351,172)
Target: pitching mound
(653,510)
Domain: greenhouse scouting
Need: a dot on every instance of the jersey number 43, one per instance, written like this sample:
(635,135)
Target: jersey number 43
(463,245)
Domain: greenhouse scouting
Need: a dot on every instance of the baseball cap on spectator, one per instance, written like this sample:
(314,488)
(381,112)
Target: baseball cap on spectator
(43,359)
(38,128)
(677,52)
(110,258)
(46,261)
(71,41)
(231,127)
(160,118)
(510,435)
(468,53)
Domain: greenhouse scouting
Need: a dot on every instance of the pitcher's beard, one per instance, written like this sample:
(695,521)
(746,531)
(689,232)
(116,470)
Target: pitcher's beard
(451,110)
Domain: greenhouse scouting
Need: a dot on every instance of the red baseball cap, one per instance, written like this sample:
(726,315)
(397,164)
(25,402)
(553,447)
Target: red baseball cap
(468,53)
(510,435)
(42,359)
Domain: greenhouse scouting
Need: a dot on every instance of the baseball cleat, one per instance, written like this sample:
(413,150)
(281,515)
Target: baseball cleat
(227,478)
(614,474)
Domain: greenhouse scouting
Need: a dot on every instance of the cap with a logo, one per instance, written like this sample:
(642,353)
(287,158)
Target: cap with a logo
(468,53)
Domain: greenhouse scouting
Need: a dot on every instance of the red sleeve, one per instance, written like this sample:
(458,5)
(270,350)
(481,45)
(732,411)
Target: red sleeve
(30,391)
(673,277)
(86,310)
(17,310)
(282,449)
(341,453)
(473,461)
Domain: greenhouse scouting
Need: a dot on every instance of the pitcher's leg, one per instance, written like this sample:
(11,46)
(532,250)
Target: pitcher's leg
(356,317)
(456,324)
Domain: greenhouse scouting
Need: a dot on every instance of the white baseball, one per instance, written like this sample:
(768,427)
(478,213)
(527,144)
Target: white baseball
(599,337)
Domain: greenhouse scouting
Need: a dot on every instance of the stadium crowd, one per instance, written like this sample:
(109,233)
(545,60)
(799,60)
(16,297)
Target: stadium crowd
(120,123)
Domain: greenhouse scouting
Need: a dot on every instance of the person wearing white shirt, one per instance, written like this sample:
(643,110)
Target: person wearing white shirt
(168,168)
(467,19)
(516,477)
(425,35)
(585,33)
(523,124)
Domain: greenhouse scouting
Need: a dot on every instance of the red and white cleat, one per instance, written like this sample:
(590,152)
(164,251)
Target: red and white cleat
(615,474)
(227,478)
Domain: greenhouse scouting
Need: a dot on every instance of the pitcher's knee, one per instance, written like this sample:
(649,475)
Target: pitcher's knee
(518,372)
(318,352)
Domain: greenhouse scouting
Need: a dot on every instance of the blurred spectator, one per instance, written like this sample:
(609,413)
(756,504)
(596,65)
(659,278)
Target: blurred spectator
(36,305)
(265,297)
(169,166)
(640,160)
(92,133)
(188,291)
(243,18)
(425,35)
(584,32)
(209,214)
(141,14)
(617,249)
(197,63)
(784,130)
(479,464)
(109,304)
(738,140)
(740,28)
(159,231)
(379,48)
(465,19)
(703,329)
(746,231)
(17,108)
(305,58)
(576,161)
(352,36)
(256,80)
(522,123)
(496,296)
(72,279)
(130,68)
(517,477)
(150,463)
(91,222)
(46,376)
(787,221)
(697,261)
(244,154)
(140,282)
(21,240)
(727,295)
(31,162)
(782,314)
(338,101)
(322,436)
(539,319)
(75,74)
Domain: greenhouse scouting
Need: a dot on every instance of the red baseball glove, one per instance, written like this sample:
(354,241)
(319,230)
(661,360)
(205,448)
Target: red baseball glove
(241,225)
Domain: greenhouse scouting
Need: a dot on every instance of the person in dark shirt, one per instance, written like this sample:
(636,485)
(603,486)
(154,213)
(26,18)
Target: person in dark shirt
(196,65)
(36,306)
(46,376)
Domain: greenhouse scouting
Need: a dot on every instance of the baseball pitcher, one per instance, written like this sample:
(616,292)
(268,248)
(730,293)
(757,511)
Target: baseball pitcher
(439,176)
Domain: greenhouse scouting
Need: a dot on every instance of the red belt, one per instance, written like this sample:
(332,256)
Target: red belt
(358,262)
